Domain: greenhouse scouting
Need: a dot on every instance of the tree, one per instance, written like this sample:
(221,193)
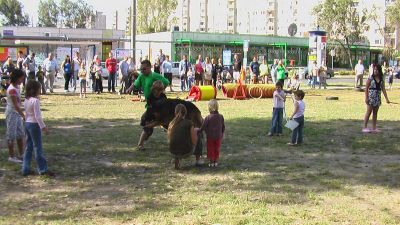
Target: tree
(343,23)
(153,15)
(83,14)
(72,14)
(11,10)
(48,13)
(393,18)
(67,12)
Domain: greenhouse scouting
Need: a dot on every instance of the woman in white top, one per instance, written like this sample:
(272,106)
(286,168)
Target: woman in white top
(298,116)
(34,126)
(207,74)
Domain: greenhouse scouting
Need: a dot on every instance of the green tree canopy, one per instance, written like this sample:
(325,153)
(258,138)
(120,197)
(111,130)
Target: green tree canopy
(343,22)
(152,15)
(48,13)
(71,14)
(11,10)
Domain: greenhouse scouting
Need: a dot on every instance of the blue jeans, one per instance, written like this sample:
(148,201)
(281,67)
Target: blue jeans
(33,143)
(111,82)
(184,82)
(297,134)
(277,119)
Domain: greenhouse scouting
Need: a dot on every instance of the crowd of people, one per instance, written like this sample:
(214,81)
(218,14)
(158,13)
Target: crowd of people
(153,80)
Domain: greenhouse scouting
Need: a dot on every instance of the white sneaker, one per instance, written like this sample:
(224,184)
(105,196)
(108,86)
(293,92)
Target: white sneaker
(14,159)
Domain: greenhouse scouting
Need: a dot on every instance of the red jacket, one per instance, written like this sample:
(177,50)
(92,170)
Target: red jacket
(111,65)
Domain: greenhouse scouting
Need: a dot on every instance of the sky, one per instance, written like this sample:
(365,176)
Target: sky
(107,7)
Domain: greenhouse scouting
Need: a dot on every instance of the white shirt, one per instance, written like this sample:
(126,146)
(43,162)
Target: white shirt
(50,65)
(359,69)
(77,64)
(32,112)
(301,110)
(278,103)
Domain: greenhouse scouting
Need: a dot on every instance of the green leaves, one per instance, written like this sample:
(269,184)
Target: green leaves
(343,22)
(68,14)
(153,15)
(11,10)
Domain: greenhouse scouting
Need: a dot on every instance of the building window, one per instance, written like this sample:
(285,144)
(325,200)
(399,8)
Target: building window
(230,24)
(378,42)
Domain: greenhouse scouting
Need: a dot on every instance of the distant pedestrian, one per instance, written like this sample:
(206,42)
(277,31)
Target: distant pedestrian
(111,65)
(161,59)
(207,72)
(8,66)
(50,69)
(264,72)
(199,73)
(66,66)
(124,75)
(20,62)
(40,77)
(281,73)
(359,71)
(98,79)
(82,77)
(157,66)
(34,126)
(30,66)
(255,70)
(274,72)
(237,67)
(76,65)
(322,74)
(167,70)
(184,66)
(314,74)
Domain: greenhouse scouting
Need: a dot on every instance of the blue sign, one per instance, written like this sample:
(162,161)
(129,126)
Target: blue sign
(8,33)
(226,57)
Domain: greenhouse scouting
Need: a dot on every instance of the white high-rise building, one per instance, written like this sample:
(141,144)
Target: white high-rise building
(266,17)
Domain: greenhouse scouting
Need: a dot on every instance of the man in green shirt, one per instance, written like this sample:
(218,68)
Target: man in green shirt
(145,81)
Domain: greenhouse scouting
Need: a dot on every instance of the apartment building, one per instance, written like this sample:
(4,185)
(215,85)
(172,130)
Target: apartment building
(267,17)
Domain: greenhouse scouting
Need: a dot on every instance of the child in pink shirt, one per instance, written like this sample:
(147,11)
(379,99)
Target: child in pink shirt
(34,126)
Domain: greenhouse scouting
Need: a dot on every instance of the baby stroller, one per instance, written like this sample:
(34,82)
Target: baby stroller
(5,82)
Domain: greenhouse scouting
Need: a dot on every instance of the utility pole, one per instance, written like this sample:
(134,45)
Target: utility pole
(133,31)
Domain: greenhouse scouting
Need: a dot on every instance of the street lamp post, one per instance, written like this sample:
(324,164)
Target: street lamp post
(133,31)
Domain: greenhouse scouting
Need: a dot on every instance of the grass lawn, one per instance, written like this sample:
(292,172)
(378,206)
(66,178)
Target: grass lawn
(339,175)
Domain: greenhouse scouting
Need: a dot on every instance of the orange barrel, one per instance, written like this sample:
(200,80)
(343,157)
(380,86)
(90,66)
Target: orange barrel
(252,90)
(202,93)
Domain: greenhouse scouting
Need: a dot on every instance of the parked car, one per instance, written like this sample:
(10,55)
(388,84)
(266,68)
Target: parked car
(175,69)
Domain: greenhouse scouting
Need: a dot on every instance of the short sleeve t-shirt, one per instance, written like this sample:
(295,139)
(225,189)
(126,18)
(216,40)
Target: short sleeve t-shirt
(359,69)
(13,91)
(146,82)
